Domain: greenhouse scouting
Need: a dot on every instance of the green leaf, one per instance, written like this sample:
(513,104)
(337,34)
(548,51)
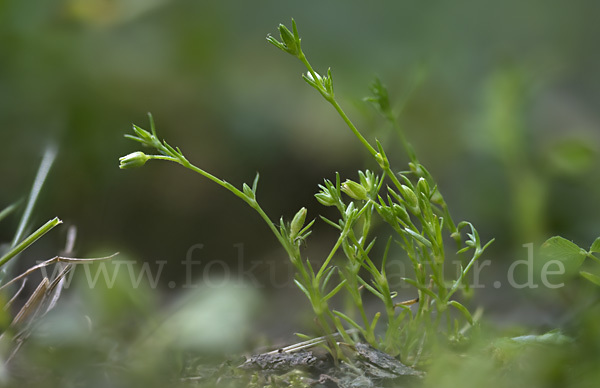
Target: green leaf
(371,289)
(139,140)
(152,127)
(561,250)
(591,277)
(303,336)
(421,288)
(328,272)
(380,97)
(349,320)
(255,183)
(463,310)
(301,287)
(142,133)
(334,291)
(418,237)
(375,319)
(595,245)
(275,42)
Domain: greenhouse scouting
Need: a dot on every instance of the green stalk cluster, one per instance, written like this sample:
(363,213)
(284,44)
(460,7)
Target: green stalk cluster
(417,212)
(410,203)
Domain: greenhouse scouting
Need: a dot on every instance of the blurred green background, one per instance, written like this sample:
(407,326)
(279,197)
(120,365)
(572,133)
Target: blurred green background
(499,98)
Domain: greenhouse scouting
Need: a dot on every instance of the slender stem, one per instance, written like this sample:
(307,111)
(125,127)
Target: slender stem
(352,127)
(349,123)
(405,144)
(330,256)
(250,201)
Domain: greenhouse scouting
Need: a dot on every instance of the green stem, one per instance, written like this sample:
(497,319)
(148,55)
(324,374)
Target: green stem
(250,201)
(352,127)
(364,141)
(344,116)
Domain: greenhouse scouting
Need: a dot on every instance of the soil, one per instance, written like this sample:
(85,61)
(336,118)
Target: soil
(364,366)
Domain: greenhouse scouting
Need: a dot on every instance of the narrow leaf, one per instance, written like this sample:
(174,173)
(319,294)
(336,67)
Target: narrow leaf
(40,178)
(301,287)
(421,288)
(331,223)
(255,183)
(328,273)
(419,238)
(349,320)
(595,245)
(591,277)
(374,322)
(463,310)
(303,336)
(372,290)
(29,240)
(334,291)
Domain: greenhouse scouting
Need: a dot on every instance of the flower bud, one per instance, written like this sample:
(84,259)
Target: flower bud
(350,210)
(369,181)
(288,40)
(142,133)
(401,213)
(325,199)
(411,198)
(417,169)
(134,159)
(297,223)
(319,79)
(354,190)
(423,187)
(383,162)
(387,214)
(328,83)
(248,191)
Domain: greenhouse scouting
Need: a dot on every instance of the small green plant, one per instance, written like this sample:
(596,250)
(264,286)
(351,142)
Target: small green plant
(410,202)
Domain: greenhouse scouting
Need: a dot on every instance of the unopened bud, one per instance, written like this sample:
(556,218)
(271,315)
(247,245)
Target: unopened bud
(423,187)
(387,214)
(134,159)
(411,198)
(383,162)
(368,180)
(325,199)
(248,191)
(297,223)
(354,190)
(401,213)
(288,39)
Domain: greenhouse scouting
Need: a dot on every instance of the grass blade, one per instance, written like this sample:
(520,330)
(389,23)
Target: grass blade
(29,240)
(9,209)
(40,178)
